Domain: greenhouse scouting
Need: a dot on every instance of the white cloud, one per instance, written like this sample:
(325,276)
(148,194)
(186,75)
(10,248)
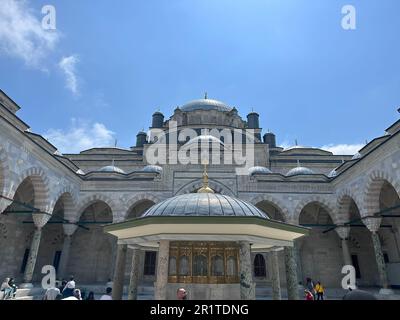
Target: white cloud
(22,35)
(68,66)
(81,135)
(343,149)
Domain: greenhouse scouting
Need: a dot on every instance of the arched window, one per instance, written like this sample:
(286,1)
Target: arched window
(259,266)
(217,266)
(184,266)
(172,266)
(231,266)
(200,265)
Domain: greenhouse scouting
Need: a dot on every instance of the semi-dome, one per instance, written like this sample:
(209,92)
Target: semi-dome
(259,170)
(204,204)
(205,104)
(299,171)
(112,169)
(152,168)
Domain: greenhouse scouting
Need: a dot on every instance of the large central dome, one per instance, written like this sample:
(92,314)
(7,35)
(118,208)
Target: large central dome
(205,104)
(204,204)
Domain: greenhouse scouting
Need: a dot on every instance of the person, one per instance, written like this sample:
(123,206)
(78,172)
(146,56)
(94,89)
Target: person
(319,289)
(181,294)
(308,295)
(310,286)
(90,296)
(62,286)
(68,291)
(51,294)
(76,295)
(107,296)
(6,288)
(13,286)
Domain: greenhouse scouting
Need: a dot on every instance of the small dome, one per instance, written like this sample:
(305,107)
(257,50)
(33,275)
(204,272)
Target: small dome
(299,171)
(152,168)
(112,169)
(259,170)
(80,171)
(204,204)
(204,139)
(333,173)
(356,156)
(205,104)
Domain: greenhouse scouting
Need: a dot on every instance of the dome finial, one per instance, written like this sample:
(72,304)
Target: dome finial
(205,188)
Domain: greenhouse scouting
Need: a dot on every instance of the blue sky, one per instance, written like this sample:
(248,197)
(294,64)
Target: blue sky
(109,65)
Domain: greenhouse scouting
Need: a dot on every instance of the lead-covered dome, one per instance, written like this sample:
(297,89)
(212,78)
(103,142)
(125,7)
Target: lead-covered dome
(299,171)
(153,169)
(112,169)
(205,104)
(204,204)
(259,170)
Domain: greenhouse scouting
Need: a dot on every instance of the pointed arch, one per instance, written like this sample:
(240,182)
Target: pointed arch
(324,203)
(40,184)
(375,182)
(89,200)
(344,200)
(274,202)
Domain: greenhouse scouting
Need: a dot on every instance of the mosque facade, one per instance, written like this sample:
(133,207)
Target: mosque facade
(322,211)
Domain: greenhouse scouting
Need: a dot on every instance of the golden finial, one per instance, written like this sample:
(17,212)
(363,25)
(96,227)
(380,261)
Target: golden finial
(205,188)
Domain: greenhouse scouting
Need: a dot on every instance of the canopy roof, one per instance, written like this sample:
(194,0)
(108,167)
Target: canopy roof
(262,233)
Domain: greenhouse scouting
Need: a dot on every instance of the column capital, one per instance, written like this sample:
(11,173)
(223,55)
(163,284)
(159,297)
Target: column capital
(69,228)
(372,224)
(343,232)
(40,219)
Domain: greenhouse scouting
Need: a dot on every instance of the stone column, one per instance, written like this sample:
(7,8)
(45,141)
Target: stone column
(297,254)
(162,271)
(343,233)
(40,220)
(275,278)
(291,274)
(69,230)
(373,225)
(114,253)
(247,287)
(119,273)
(134,276)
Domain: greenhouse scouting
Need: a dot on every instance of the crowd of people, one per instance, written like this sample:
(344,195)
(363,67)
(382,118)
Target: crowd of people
(313,291)
(68,291)
(65,291)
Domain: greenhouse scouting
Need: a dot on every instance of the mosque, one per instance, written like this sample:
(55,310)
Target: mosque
(114,215)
